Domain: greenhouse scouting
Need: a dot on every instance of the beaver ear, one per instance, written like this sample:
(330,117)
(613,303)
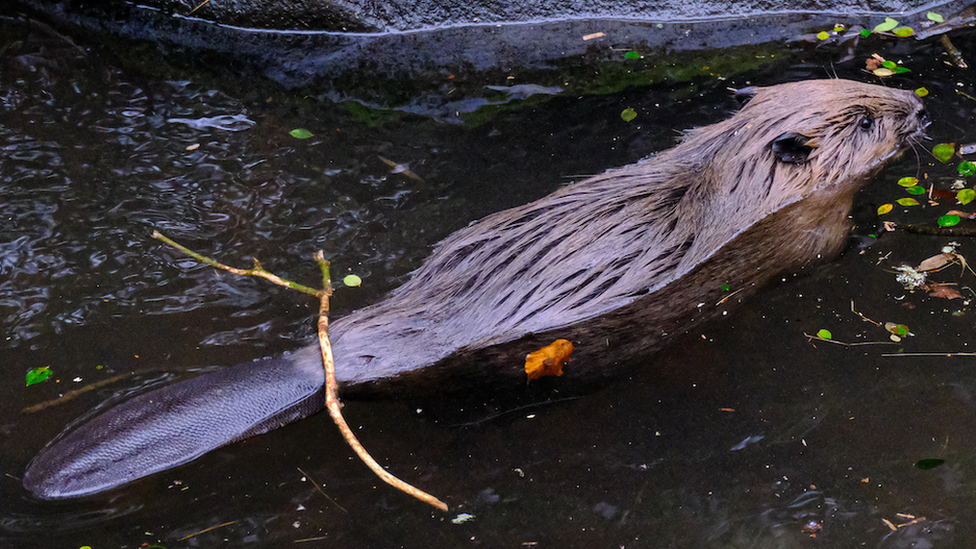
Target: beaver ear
(792,147)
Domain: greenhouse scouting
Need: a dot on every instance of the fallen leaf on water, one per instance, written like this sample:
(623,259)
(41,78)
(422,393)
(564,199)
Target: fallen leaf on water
(38,375)
(944,151)
(899,330)
(936,289)
(936,262)
(887,26)
(549,360)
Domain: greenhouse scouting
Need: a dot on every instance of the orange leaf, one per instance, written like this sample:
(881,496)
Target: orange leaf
(549,360)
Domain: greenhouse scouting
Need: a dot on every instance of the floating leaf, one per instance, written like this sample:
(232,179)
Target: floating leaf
(352,280)
(38,375)
(948,220)
(825,334)
(907,201)
(300,133)
(936,262)
(888,25)
(916,190)
(865,33)
(628,114)
(549,360)
(632,55)
(885,208)
(921,92)
(899,330)
(966,196)
(929,463)
(944,151)
(823,35)
(882,72)
(901,70)
(966,168)
(725,287)
(934,17)
(903,32)
(908,181)
(942,291)
(889,65)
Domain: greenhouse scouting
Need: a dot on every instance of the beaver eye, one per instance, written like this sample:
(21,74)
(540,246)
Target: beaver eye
(867,123)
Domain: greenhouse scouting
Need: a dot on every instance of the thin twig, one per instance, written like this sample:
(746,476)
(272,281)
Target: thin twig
(943,355)
(257,271)
(844,343)
(67,397)
(205,530)
(335,407)
(321,491)
(205,2)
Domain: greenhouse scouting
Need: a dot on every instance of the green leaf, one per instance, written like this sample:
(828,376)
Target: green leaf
(352,280)
(865,33)
(825,334)
(38,375)
(823,35)
(929,463)
(948,220)
(916,190)
(725,287)
(922,92)
(888,25)
(903,32)
(934,17)
(889,65)
(632,55)
(901,70)
(966,196)
(966,168)
(908,181)
(628,114)
(944,151)
(907,201)
(300,133)
(897,329)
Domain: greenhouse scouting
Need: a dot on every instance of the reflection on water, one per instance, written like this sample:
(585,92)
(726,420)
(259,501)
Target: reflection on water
(97,153)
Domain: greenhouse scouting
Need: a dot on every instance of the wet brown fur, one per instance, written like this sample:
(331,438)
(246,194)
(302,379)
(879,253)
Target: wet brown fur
(619,262)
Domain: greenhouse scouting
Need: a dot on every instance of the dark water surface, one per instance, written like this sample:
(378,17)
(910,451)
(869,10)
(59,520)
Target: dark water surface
(740,437)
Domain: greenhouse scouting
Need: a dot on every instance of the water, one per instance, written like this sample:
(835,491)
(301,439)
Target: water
(742,436)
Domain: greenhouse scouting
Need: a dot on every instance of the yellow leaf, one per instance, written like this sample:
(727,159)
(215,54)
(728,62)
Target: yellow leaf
(885,208)
(549,360)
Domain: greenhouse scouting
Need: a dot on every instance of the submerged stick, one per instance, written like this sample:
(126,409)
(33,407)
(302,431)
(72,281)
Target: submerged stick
(331,386)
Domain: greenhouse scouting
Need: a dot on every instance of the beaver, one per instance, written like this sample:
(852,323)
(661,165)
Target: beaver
(616,264)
